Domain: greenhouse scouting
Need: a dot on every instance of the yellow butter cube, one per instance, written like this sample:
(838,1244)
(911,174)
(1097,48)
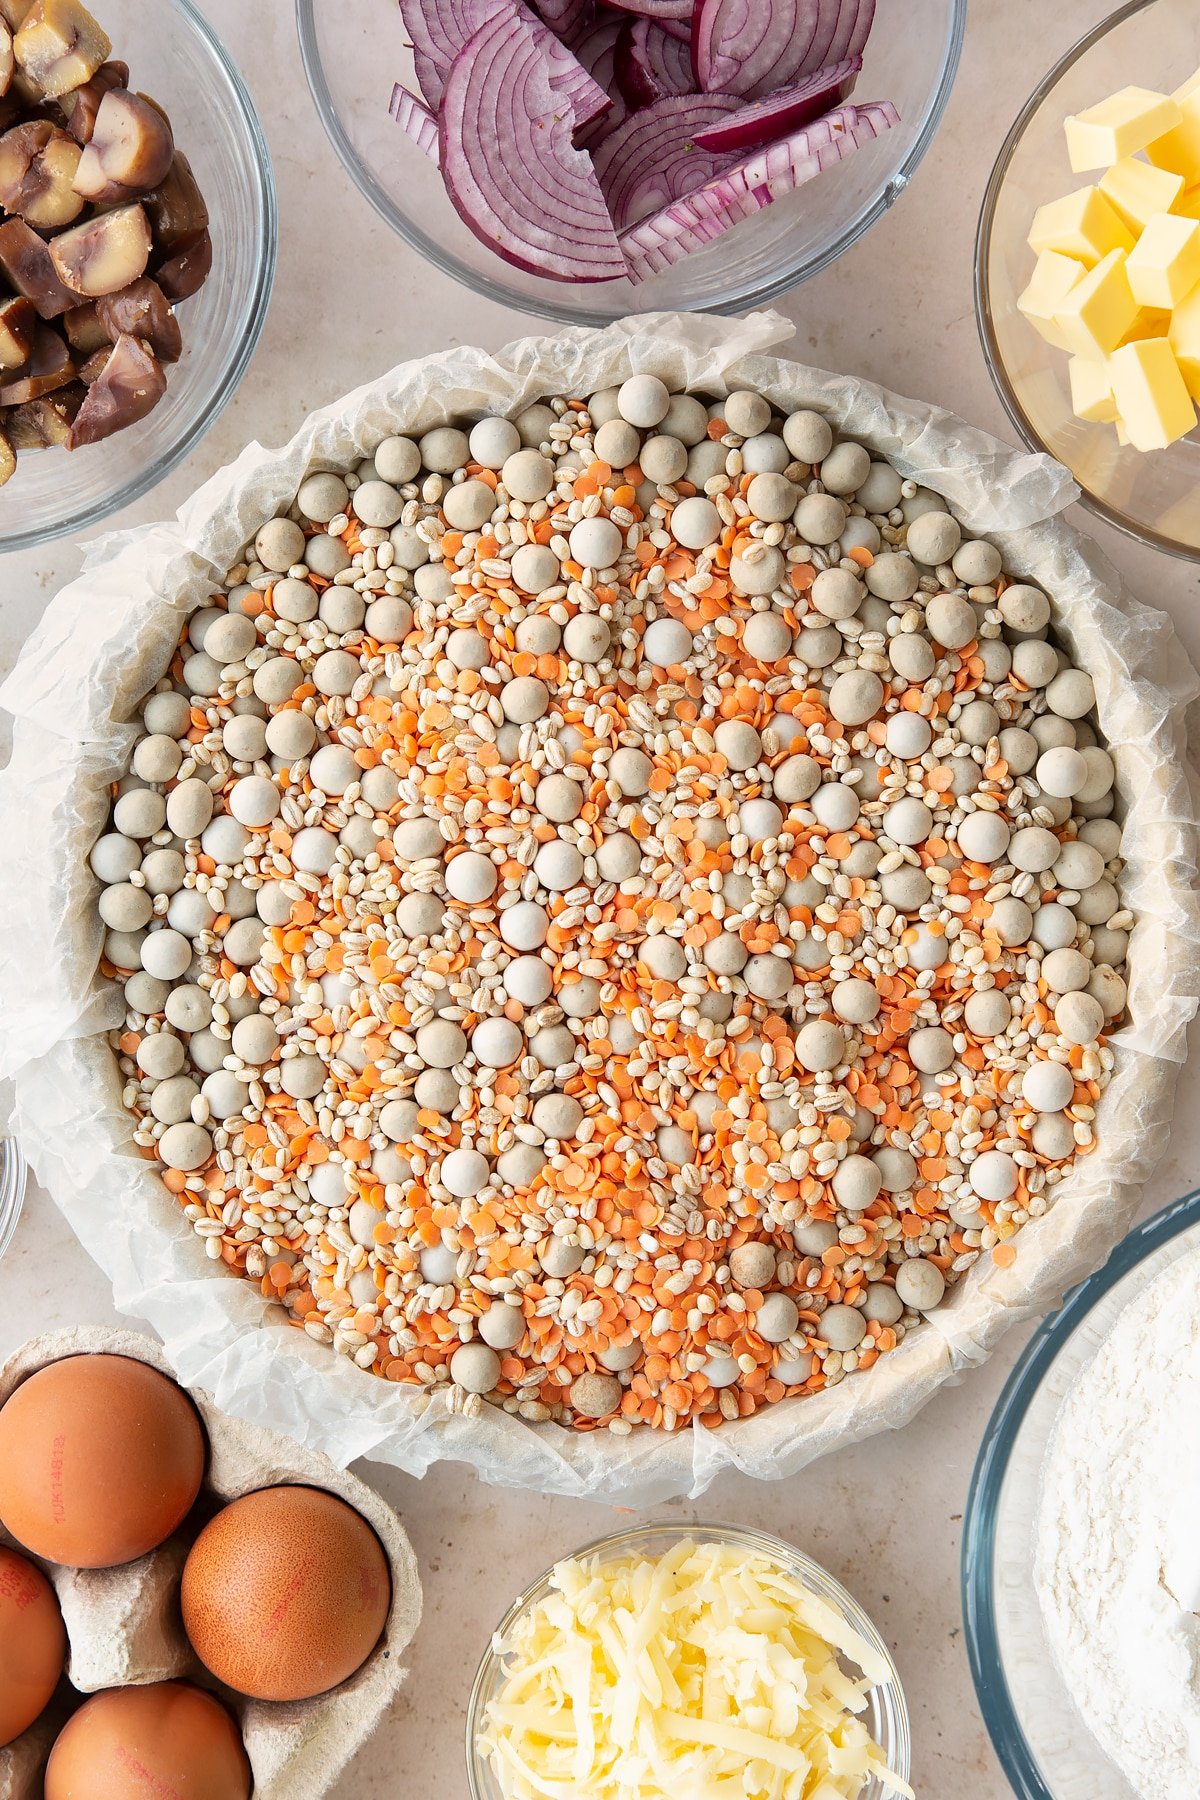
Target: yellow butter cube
(1151,321)
(1137,190)
(1119,126)
(1179,148)
(1099,309)
(1184,336)
(1091,391)
(1187,206)
(1164,265)
(1083,225)
(1053,278)
(1151,394)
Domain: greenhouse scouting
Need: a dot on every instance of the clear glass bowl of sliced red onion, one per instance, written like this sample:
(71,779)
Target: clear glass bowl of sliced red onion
(585,159)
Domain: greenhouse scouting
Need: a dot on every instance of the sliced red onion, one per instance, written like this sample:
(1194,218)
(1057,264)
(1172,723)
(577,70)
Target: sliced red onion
(851,40)
(652,158)
(414,117)
(567,18)
(649,64)
(509,164)
(699,218)
(596,52)
(752,47)
(674,16)
(827,25)
(584,95)
(678,11)
(784,112)
(440,28)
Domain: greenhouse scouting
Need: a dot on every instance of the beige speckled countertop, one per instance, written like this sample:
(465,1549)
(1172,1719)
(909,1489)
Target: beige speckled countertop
(884,1516)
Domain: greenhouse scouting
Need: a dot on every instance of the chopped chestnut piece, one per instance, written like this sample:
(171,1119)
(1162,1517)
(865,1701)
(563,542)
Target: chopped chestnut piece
(186,272)
(176,207)
(37,166)
(94,367)
(49,367)
(127,388)
(82,105)
(129,153)
(8,456)
(59,47)
(37,424)
(142,311)
(8,61)
(162,112)
(25,262)
(84,330)
(18,324)
(104,254)
(13,13)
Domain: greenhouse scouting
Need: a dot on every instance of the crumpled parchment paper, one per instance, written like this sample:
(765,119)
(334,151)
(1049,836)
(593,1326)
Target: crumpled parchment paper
(108,636)
(124,1628)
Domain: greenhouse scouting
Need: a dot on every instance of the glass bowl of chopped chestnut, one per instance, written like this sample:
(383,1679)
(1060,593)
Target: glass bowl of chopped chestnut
(137,251)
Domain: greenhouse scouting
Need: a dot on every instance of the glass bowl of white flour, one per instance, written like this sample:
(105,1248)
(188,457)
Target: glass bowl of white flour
(1081,1556)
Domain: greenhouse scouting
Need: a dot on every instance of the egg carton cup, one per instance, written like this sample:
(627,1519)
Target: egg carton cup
(124,1627)
(108,637)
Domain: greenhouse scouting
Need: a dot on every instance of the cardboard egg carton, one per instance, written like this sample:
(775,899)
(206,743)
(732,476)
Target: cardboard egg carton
(124,1627)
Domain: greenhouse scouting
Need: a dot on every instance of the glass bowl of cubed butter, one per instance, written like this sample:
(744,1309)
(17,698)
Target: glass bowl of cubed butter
(673,1660)
(1087,281)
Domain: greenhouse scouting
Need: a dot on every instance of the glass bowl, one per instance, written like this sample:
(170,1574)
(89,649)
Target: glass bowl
(1038,1734)
(886,1714)
(13,1175)
(354,50)
(1150,495)
(175,56)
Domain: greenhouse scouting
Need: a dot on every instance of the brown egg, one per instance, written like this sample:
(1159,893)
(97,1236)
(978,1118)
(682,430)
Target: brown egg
(101,1459)
(33,1644)
(285,1593)
(170,1739)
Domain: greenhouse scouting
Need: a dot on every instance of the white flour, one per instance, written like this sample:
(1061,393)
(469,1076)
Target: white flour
(1118,1550)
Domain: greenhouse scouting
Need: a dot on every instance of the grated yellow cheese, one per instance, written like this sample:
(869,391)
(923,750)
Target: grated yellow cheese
(707,1673)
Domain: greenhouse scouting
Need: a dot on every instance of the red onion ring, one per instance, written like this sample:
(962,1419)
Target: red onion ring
(440,28)
(752,47)
(509,164)
(652,158)
(597,53)
(780,114)
(415,118)
(699,218)
(649,64)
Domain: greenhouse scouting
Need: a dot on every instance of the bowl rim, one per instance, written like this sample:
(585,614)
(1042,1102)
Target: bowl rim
(14,1179)
(992,1692)
(788,1555)
(84,517)
(543,305)
(1142,534)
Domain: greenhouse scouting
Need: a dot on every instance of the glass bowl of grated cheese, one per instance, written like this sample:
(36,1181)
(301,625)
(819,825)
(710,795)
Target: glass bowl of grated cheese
(694,1657)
